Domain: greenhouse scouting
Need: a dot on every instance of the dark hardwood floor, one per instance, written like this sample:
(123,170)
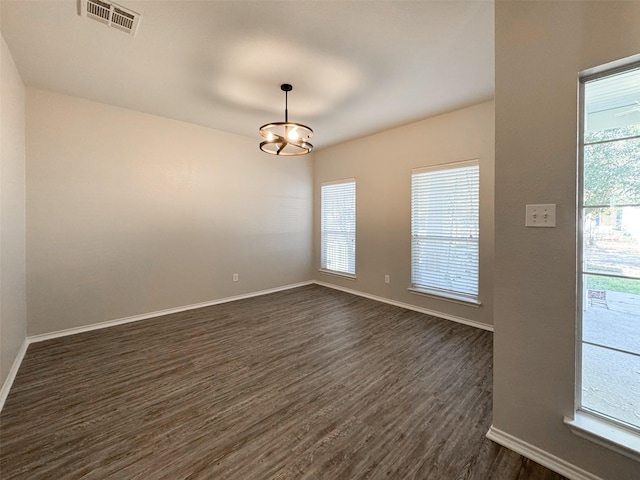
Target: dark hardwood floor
(309,383)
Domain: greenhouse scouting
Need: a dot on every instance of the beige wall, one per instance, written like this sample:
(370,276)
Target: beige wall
(540,48)
(13,318)
(131,213)
(382,166)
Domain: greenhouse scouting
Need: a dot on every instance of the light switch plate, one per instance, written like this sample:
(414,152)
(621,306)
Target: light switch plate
(540,215)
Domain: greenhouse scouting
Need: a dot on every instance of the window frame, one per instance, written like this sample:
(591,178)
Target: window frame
(323,268)
(585,423)
(435,292)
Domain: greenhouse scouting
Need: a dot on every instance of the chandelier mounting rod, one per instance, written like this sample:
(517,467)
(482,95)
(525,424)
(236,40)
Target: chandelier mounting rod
(286,88)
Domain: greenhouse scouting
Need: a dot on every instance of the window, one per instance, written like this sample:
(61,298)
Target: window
(609,268)
(338,227)
(445,230)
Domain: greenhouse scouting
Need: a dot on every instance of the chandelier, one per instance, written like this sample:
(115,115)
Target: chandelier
(286,138)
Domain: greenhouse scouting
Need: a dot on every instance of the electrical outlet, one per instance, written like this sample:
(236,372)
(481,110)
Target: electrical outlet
(235,277)
(540,215)
(387,279)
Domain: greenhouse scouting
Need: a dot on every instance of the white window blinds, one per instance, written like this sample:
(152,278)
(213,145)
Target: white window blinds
(445,229)
(338,226)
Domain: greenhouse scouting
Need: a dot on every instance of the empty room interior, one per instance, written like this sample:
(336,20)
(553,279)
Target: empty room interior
(320,240)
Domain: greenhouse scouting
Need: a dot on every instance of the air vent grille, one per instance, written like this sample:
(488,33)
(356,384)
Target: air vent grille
(99,9)
(122,19)
(111,15)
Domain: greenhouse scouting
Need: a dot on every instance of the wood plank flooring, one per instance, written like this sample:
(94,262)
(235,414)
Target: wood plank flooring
(309,383)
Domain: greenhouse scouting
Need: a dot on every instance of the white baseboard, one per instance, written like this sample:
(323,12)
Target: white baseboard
(540,456)
(408,306)
(8,382)
(159,313)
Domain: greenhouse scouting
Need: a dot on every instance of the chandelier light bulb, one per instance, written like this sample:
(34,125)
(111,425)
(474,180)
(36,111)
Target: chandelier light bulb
(293,134)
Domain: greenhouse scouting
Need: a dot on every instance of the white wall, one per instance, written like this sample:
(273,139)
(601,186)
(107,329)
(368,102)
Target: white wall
(540,48)
(131,213)
(13,318)
(382,166)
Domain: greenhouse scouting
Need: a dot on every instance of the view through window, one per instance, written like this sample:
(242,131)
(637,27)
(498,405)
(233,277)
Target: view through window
(610,266)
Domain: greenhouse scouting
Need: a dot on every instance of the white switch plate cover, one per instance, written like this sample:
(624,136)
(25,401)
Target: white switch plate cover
(543,215)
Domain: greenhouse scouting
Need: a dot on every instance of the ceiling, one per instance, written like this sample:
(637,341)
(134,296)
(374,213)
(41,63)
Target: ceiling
(357,67)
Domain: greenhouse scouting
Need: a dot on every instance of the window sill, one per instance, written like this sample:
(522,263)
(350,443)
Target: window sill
(606,434)
(348,276)
(449,297)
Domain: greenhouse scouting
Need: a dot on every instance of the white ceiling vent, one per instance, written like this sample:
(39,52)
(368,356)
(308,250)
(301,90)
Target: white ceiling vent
(111,15)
